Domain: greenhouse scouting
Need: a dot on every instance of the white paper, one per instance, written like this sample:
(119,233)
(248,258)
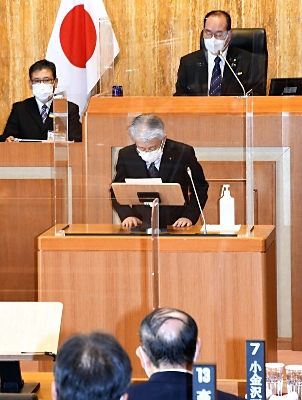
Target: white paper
(219,228)
(144,181)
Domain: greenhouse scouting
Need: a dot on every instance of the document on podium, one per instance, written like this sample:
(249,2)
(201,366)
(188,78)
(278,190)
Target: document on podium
(138,191)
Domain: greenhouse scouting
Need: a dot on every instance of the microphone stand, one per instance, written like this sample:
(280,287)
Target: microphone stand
(201,212)
(231,69)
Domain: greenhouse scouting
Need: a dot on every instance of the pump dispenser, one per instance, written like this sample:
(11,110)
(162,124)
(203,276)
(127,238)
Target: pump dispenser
(226,209)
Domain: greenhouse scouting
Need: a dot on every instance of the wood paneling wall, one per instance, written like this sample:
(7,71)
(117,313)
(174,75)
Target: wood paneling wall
(152,34)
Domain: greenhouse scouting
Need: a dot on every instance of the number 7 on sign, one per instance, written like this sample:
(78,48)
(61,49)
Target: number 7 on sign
(256,348)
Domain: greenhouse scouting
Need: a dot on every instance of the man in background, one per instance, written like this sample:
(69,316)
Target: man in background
(205,73)
(169,347)
(91,367)
(31,118)
(154,156)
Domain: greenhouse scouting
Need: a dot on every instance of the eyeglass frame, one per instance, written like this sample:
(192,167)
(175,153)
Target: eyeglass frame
(46,81)
(210,35)
(162,144)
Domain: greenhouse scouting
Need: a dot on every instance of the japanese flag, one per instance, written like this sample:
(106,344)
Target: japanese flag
(74,48)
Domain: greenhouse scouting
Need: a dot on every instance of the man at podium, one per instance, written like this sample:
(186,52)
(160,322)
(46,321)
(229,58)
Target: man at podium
(153,155)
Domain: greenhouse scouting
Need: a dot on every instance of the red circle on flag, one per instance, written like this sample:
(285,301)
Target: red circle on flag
(78,36)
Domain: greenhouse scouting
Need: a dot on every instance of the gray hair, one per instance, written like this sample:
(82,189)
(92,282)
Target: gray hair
(146,127)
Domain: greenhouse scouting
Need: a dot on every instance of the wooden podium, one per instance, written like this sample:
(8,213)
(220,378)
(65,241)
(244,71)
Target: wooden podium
(102,275)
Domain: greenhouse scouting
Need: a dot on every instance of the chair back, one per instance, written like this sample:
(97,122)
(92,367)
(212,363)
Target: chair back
(252,40)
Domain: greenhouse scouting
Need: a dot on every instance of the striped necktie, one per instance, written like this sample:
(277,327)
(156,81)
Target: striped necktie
(215,86)
(44,113)
(153,171)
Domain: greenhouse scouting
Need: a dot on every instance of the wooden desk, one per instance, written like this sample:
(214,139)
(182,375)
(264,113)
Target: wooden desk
(27,209)
(236,387)
(104,282)
(45,379)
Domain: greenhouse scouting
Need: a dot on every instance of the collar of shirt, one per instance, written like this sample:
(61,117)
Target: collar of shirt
(176,370)
(40,104)
(211,62)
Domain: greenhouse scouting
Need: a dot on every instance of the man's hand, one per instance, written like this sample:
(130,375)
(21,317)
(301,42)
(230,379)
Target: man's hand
(129,222)
(182,222)
(10,139)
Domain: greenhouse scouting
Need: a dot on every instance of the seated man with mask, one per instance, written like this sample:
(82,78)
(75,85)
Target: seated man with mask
(205,72)
(153,155)
(30,118)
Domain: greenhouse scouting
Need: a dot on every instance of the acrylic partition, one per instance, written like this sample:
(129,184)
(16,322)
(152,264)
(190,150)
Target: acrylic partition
(218,134)
(108,49)
(62,178)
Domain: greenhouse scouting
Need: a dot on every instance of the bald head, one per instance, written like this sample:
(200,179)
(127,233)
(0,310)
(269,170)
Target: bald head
(169,337)
(172,326)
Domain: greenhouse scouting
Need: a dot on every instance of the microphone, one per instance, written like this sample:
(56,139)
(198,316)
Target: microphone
(201,212)
(236,77)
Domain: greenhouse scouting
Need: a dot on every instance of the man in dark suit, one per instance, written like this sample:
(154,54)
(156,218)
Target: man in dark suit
(197,75)
(169,346)
(91,367)
(169,160)
(26,120)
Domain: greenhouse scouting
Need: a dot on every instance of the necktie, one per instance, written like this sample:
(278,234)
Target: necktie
(44,112)
(153,171)
(215,86)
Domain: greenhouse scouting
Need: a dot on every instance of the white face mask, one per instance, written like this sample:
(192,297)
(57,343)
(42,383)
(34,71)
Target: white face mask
(213,45)
(43,92)
(150,156)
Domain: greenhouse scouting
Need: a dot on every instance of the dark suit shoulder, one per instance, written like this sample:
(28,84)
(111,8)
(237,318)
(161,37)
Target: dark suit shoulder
(235,51)
(72,106)
(127,150)
(26,102)
(191,57)
(227,396)
(177,146)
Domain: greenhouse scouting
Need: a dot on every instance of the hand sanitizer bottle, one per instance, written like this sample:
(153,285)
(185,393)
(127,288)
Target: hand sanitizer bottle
(226,209)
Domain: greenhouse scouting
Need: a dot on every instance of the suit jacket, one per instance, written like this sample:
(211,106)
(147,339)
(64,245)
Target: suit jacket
(25,122)
(169,385)
(173,169)
(193,74)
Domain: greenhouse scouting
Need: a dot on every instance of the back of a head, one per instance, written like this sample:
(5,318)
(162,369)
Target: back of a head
(92,367)
(146,127)
(169,337)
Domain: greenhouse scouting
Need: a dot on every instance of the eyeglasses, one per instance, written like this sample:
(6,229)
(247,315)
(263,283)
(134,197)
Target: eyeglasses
(46,81)
(150,149)
(218,35)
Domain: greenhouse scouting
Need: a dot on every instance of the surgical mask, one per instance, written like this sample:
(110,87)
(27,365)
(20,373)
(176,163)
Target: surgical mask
(151,156)
(42,91)
(213,45)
